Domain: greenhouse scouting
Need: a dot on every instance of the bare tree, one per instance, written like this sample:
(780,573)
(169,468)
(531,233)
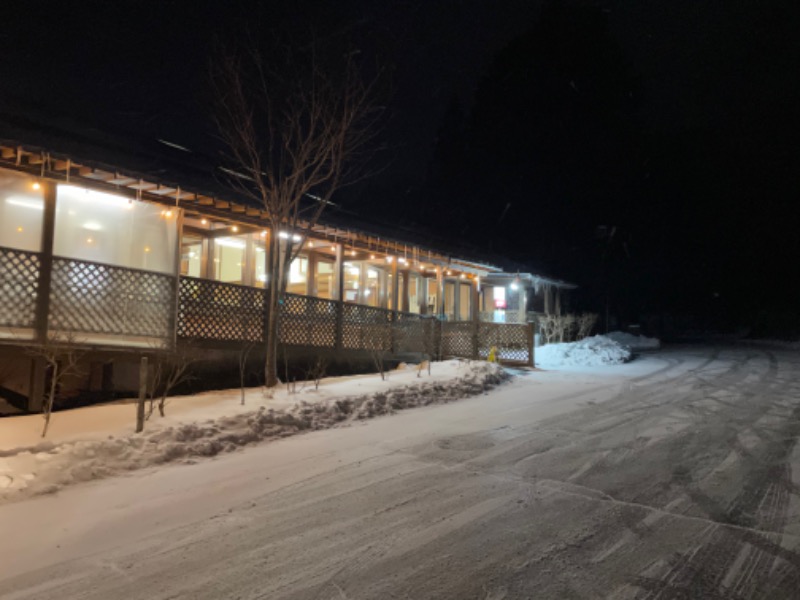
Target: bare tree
(318,370)
(295,125)
(61,353)
(171,368)
(586,322)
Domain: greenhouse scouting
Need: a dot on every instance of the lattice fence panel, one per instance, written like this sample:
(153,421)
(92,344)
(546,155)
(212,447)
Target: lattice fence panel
(366,328)
(308,321)
(19,274)
(458,339)
(95,298)
(510,339)
(414,333)
(212,310)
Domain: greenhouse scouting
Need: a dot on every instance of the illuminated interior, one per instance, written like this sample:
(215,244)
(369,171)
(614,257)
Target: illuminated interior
(21,212)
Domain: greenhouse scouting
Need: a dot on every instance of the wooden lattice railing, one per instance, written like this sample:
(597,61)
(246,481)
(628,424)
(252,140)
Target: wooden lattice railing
(19,276)
(213,310)
(87,297)
(468,339)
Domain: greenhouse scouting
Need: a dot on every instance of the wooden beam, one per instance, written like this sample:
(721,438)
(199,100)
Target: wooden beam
(142,185)
(237,208)
(7,152)
(205,201)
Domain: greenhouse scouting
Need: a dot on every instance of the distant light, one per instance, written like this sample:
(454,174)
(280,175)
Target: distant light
(449,272)
(366,292)
(403,260)
(296,238)
(264,233)
(89,240)
(463,276)
(37,185)
(333,248)
(514,285)
(147,248)
(283,235)
(234,229)
(192,254)
(389,259)
(19,229)
(372,257)
(203,221)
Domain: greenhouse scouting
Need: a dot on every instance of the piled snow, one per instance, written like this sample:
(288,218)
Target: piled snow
(634,342)
(590,352)
(218,424)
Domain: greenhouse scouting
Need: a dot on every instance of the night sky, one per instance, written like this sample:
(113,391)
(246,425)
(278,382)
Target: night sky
(647,151)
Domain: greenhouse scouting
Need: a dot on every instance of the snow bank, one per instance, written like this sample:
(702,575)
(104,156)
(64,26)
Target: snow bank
(590,352)
(634,342)
(49,465)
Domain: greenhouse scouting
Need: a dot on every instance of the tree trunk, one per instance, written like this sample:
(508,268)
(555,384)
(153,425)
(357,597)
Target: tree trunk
(142,394)
(48,408)
(273,307)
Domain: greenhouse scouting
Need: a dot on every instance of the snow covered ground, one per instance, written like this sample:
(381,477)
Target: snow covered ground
(99,441)
(670,476)
(593,351)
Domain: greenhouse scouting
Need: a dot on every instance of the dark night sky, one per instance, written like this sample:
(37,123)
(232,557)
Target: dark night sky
(682,132)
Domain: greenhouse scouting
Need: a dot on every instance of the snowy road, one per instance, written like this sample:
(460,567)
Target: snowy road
(677,476)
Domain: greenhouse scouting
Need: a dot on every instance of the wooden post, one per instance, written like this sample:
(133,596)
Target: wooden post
(172,334)
(531,344)
(45,262)
(142,395)
(37,381)
(404,305)
(475,317)
(338,296)
(395,285)
(440,292)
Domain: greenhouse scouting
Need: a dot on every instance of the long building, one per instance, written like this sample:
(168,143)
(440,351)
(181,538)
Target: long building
(122,252)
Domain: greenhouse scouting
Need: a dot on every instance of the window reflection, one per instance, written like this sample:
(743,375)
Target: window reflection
(21,212)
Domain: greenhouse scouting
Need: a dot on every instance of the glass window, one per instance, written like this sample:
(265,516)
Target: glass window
(449,299)
(352,276)
(324,279)
(414,293)
(298,276)
(465,289)
(191,255)
(21,212)
(373,291)
(229,255)
(260,279)
(105,228)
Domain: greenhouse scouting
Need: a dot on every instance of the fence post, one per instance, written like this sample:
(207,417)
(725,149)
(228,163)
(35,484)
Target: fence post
(142,394)
(476,340)
(531,343)
(338,325)
(437,338)
(45,263)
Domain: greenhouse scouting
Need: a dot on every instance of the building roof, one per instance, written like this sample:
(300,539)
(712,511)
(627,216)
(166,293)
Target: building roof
(163,171)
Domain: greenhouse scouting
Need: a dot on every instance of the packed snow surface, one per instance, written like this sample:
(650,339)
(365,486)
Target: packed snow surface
(634,342)
(590,352)
(99,441)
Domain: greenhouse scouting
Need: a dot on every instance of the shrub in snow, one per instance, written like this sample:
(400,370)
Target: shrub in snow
(590,352)
(634,342)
